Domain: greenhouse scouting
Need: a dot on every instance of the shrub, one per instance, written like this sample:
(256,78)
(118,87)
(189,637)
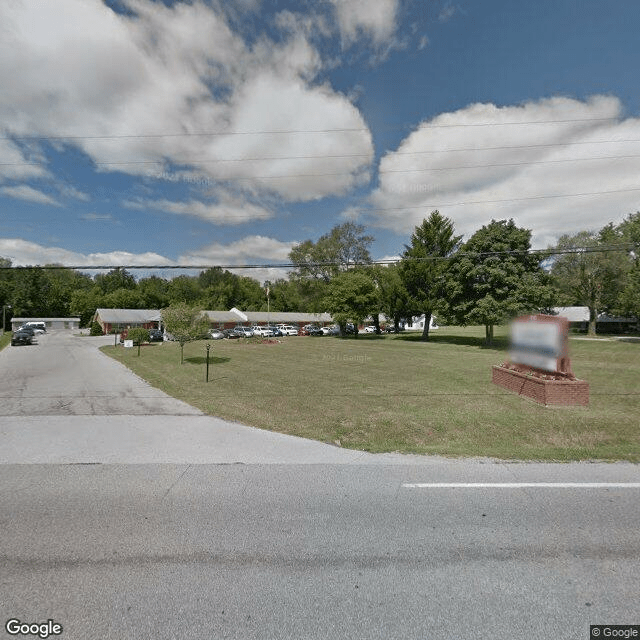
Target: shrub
(96,329)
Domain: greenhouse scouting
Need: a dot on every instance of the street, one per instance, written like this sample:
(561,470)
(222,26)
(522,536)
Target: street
(309,541)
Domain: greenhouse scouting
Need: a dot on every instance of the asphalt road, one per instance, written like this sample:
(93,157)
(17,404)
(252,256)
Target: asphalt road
(262,536)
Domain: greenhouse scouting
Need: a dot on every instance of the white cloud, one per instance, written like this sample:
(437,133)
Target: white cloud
(249,250)
(474,166)
(230,210)
(96,217)
(79,69)
(375,18)
(72,192)
(24,192)
(20,164)
(23,253)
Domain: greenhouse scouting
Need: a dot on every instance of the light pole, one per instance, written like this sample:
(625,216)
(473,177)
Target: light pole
(4,308)
(267,283)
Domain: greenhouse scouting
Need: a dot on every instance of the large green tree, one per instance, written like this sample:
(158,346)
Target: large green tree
(587,273)
(352,296)
(343,247)
(395,301)
(495,277)
(424,264)
(629,297)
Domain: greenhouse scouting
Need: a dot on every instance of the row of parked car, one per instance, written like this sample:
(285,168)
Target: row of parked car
(269,331)
(26,333)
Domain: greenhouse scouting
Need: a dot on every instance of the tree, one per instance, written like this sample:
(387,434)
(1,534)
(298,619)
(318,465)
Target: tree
(628,302)
(117,278)
(352,296)
(587,275)
(395,301)
(342,248)
(494,277)
(184,323)
(138,335)
(423,265)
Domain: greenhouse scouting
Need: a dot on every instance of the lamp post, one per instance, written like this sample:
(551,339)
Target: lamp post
(4,308)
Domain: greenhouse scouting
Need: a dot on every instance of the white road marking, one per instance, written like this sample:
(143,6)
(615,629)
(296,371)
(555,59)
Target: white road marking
(521,485)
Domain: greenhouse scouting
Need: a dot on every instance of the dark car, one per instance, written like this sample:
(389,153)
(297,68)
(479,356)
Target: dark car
(230,333)
(275,331)
(155,335)
(21,337)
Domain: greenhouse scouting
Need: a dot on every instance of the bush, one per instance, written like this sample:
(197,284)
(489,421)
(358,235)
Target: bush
(96,329)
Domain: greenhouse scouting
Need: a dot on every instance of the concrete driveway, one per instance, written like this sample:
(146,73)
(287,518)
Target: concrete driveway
(64,401)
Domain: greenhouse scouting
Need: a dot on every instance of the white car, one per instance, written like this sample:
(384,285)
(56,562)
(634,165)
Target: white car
(370,329)
(288,330)
(264,332)
(333,330)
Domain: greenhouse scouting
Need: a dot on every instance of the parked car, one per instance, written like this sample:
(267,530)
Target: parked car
(370,329)
(231,334)
(311,330)
(288,330)
(243,332)
(21,337)
(391,329)
(264,332)
(216,334)
(350,328)
(155,335)
(276,331)
(37,325)
(333,330)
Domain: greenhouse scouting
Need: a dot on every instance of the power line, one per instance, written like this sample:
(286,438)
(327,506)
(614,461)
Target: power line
(327,157)
(290,265)
(290,131)
(454,204)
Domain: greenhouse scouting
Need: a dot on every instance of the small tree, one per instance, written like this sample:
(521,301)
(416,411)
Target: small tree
(184,323)
(138,335)
(96,329)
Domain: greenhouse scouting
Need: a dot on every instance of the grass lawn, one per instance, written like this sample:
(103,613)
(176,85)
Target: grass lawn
(396,393)
(5,339)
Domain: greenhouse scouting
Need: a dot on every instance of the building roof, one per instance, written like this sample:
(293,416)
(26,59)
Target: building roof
(225,316)
(139,316)
(581,314)
(573,314)
(40,319)
(122,316)
(286,317)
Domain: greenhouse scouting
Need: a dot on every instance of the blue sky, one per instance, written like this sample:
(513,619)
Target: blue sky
(140,132)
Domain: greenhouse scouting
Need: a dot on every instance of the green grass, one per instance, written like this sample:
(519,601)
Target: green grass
(5,339)
(396,393)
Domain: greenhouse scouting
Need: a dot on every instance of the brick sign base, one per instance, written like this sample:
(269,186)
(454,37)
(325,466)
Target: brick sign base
(547,392)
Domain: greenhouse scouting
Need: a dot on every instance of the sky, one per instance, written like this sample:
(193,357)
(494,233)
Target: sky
(140,132)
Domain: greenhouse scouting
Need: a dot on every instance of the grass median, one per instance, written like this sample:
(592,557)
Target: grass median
(396,393)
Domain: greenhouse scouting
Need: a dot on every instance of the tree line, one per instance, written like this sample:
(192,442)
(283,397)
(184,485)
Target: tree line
(487,280)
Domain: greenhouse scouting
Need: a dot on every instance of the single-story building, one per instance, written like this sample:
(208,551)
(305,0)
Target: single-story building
(578,318)
(50,323)
(114,320)
(117,319)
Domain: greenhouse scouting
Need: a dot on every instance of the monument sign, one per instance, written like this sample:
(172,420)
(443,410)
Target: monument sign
(538,365)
